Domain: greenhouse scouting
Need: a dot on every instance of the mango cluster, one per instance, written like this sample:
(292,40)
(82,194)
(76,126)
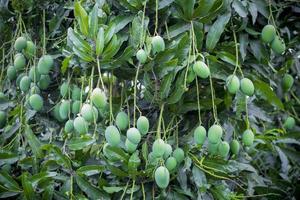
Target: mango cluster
(233,84)
(215,144)
(269,36)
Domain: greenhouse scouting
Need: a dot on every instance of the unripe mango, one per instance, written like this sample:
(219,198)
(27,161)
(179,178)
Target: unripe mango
(80,125)
(278,45)
(112,136)
(158,44)
(98,97)
(25,83)
(235,147)
(162,177)
(133,135)
(223,149)
(168,150)
(248,137)
(19,62)
(30,49)
(200,135)
(20,43)
(215,133)
(289,123)
(201,69)
(158,148)
(64,109)
(44,82)
(171,163)
(287,82)
(122,120)
(130,147)
(268,33)
(233,84)
(34,74)
(143,125)
(45,64)
(141,56)
(11,73)
(178,154)
(36,102)
(247,87)
(69,126)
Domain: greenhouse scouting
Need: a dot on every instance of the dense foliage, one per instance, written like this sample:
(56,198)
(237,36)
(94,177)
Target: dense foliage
(149,99)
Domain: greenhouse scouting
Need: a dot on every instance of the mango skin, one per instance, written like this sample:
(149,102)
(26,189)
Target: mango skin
(215,133)
(289,123)
(199,135)
(11,73)
(80,125)
(20,43)
(232,84)
(235,147)
(171,163)
(268,33)
(45,64)
(278,45)
(247,87)
(141,56)
(112,136)
(122,120)
(178,154)
(201,69)
(19,62)
(162,177)
(248,137)
(36,102)
(133,135)
(287,82)
(223,149)
(158,44)
(158,148)
(143,125)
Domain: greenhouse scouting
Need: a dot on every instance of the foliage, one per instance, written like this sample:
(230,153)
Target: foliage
(94,45)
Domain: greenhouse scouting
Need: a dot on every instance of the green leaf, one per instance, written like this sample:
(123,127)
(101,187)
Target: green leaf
(78,143)
(166,85)
(109,33)
(100,41)
(8,182)
(112,189)
(178,89)
(33,141)
(112,48)
(65,64)
(7,157)
(134,162)
(61,158)
(216,30)
(93,22)
(90,170)
(138,30)
(90,190)
(82,18)
(187,8)
(262,89)
(28,190)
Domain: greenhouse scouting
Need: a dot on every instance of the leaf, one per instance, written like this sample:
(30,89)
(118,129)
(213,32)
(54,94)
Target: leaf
(216,30)
(264,90)
(177,29)
(138,30)
(8,182)
(109,33)
(100,42)
(93,21)
(283,159)
(28,190)
(166,85)
(199,177)
(90,170)
(82,18)
(7,157)
(134,162)
(187,8)
(120,21)
(65,64)
(33,141)
(62,159)
(179,89)
(243,40)
(79,143)
(91,191)
(112,189)
(239,8)
(288,141)
(112,48)
(253,11)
